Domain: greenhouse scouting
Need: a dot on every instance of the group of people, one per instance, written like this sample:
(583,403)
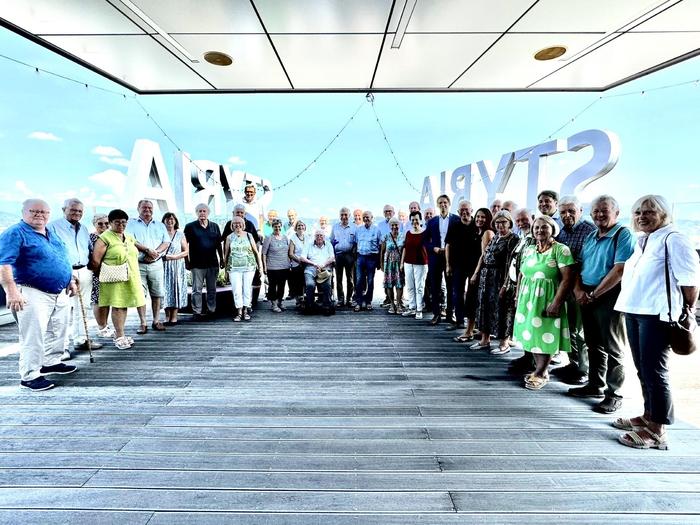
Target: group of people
(548,280)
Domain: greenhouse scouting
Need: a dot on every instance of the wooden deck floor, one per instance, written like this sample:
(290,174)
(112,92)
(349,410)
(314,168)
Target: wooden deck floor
(354,419)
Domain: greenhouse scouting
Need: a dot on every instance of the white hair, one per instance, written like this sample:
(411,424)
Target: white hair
(570,199)
(655,202)
(605,198)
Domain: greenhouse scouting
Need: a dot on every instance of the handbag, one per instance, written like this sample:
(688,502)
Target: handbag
(682,332)
(114,273)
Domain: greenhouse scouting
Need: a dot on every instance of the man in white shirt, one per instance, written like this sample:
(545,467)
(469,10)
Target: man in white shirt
(318,258)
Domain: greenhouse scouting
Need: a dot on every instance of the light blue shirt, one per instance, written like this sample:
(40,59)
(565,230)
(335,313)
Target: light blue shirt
(77,241)
(383,227)
(150,235)
(599,255)
(342,237)
(368,239)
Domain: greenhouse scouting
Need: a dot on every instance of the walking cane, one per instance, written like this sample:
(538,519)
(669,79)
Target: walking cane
(87,335)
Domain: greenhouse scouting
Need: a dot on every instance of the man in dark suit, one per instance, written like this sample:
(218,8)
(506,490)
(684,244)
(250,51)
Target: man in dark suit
(435,234)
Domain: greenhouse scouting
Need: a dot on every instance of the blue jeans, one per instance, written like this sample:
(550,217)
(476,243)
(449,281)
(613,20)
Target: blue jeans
(364,278)
(324,289)
(649,340)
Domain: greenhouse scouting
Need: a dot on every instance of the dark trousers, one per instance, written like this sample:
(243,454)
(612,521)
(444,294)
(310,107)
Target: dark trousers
(324,290)
(649,341)
(459,282)
(364,278)
(276,279)
(604,331)
(437,268)
(578,357)
(296,281)
(344,263)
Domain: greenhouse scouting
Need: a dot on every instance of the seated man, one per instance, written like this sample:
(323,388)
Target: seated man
(318,258)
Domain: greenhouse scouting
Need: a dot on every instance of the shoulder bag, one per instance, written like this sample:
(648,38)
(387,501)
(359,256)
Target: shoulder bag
(682,332)
(114,273)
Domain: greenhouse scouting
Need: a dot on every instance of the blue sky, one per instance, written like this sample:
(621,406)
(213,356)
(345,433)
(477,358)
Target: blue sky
(59,139)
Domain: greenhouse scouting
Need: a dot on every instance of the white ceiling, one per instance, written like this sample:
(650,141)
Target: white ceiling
(346,45)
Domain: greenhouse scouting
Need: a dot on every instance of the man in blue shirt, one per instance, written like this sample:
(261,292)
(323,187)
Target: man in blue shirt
(603,257)
(368,241)
(152,241)
(343,241)
(77,240)
(37,279)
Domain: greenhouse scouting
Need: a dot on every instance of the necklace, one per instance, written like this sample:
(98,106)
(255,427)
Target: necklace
(547,246)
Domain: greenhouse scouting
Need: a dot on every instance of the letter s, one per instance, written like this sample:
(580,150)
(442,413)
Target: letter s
(606,153)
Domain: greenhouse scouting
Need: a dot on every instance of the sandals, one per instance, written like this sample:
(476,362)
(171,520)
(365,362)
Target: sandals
(357,308)
(142,329)
(392,309)
(158,326)
(122,343)
(644,439)
(463,338)
(369,308)
(533,382)
(246,316)
(626,424)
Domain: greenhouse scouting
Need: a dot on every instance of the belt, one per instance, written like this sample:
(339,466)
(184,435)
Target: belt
(78,266)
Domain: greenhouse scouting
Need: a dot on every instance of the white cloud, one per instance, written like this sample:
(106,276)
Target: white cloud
(111,178)
(236,161)
(106,151)
(116,160)
(22,186)
(43,135)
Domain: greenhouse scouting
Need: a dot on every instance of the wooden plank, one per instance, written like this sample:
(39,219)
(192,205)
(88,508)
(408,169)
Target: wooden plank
(75,517)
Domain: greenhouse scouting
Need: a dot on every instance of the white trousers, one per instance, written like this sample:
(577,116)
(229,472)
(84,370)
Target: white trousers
(415,284)
(74,317)
(242,288)
(42,329)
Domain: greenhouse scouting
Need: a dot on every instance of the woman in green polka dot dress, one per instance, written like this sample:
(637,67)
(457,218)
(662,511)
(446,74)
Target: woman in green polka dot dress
(546,276)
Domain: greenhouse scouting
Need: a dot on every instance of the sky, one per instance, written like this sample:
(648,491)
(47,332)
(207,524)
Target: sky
(59,139)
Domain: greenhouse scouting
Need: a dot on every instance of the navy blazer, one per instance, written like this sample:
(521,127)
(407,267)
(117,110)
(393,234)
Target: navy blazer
(432,232)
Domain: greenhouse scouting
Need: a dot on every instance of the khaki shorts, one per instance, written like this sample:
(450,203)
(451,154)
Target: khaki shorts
(152,277)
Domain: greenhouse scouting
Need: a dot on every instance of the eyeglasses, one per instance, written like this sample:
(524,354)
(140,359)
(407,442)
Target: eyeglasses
(236,225)
(502,222)
(45,213)
(120,222)
(102,223)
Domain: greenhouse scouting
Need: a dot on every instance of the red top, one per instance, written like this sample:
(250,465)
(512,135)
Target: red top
(415,251)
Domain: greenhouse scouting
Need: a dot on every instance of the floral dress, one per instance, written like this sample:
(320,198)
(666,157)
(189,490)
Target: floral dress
(492,313)
(95,294)
(174,278)
(392,261)
(538,286)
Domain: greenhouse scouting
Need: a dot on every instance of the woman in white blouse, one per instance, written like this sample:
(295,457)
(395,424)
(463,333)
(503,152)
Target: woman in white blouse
(644,301)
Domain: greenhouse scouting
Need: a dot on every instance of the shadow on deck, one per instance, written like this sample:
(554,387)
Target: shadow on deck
(356,418)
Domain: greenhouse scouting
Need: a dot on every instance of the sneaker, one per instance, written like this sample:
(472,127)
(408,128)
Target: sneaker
(419,315)
(107,332)
(556,359)
(409,313)
(84,346)
(499,351)
(276,308)
(66,356)
(60,368)
(122,343)
(40,383)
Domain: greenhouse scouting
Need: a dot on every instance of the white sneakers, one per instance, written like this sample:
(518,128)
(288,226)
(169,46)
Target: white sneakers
(419,315)
(106,331)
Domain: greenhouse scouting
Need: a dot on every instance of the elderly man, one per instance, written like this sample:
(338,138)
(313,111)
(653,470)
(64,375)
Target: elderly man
(267,225)
(573,234)
(509,206)
(290,227)
(357,218)
(318,258)
(36,274)
(369,242)
(324,225)
(603,257)
(77,240)
(206,257)
(343,241)
(435,235)
(152,241)
(254,208)
(496,206)
(462,251)
(547,202)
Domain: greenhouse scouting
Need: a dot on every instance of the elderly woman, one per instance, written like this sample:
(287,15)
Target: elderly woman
(492,311)
(275,264)
(101,313)
(414,261)
(174,278)
(546,276)
(242,260)
(115,247)
(297,244)
(661,253)
(390,264)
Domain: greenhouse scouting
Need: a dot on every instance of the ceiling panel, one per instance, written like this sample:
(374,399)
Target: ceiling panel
(684,16)
(324,16)
(429,60)
(77,17)
(198,16)
(329,61)
(621,58)
(255,65)
(575,16)
(137,60)
(510,64)
(462,16)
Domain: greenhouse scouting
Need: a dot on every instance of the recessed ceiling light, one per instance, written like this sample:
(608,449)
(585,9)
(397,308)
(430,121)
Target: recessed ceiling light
(218,58)
(550,53)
